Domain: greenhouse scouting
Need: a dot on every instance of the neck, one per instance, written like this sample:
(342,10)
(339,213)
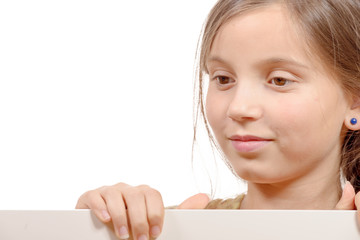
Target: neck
(319,194)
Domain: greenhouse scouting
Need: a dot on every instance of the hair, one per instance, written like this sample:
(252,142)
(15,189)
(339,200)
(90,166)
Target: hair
(332,31)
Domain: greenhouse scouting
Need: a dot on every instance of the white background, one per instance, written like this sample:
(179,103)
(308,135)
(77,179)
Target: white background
(98,92)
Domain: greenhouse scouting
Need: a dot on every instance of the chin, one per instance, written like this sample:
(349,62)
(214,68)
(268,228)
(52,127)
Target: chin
(261,177)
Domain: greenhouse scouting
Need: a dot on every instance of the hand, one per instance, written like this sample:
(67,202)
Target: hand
(198,201)
(139,208)
(349,200)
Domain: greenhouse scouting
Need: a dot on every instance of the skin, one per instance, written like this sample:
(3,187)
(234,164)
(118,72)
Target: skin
(294,103)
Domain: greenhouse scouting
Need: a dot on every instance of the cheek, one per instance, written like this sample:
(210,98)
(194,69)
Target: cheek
(294,121)
(306,125)
(211,107)
(293,115)
(215,110)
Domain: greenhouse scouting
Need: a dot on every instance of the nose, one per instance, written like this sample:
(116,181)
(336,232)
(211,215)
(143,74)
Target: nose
(245,104)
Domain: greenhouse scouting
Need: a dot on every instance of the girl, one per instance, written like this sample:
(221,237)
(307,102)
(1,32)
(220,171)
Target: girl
(283,104)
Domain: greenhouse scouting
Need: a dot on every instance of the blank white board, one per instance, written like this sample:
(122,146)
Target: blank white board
(187,225)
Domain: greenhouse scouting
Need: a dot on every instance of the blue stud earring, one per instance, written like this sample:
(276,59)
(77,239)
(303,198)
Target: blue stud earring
(353,121)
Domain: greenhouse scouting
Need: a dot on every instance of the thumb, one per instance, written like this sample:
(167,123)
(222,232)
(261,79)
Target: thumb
(357,204)
(347,200)
(198,201)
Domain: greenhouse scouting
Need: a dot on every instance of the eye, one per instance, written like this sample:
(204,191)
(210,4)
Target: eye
(223,80)
(279,81)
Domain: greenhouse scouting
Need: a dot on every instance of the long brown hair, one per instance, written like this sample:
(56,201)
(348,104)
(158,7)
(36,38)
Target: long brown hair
(331,29)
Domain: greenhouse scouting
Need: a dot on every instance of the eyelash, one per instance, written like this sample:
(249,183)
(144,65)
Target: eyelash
(216,78)
(286,81)
(283,80)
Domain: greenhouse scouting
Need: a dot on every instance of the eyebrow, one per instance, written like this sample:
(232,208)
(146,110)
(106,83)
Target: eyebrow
(284,61)
(270,61)
(215,59)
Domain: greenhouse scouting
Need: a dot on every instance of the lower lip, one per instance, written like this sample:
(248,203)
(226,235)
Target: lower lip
(248,146)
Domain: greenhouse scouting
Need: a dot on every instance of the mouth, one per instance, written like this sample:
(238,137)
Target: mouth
(248,143)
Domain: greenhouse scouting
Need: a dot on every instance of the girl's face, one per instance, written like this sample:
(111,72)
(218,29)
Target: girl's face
(276,112)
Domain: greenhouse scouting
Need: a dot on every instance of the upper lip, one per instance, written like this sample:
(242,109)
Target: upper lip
(247,138)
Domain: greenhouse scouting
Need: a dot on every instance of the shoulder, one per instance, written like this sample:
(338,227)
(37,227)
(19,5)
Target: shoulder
(230,203)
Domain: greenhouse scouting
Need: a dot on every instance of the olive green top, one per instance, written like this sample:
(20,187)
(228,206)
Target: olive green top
(230,203)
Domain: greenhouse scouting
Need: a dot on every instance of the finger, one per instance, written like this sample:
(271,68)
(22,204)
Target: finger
(347,200)
(116,207)
(155,211)
(136,210)
(357,204)
(93,200)
(198,201)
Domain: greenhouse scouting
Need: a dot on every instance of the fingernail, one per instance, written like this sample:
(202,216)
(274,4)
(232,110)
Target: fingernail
(105,215)
(155,231)
(143,237)
(123,233)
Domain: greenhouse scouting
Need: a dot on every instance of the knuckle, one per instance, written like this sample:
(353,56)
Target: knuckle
(81,204)
(155,218)
(140,227)
(107,191)
(148,190)
(121,185)
(102,188)
(87,194)
(111,192)
(94,204)
(81,201)
(90,199)
(133,193)
(143,187)
(114,189)
(153,193)
(119,219)
(90,195)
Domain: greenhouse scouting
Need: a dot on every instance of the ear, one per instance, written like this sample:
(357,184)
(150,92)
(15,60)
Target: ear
(353,112)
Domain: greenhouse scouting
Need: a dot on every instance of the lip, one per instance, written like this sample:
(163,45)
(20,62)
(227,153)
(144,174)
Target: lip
(248,143)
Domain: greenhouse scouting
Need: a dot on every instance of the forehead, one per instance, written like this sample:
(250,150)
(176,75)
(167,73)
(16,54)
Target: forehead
(263,33)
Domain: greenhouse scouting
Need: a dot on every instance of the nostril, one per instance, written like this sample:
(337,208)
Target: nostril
(243,112)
